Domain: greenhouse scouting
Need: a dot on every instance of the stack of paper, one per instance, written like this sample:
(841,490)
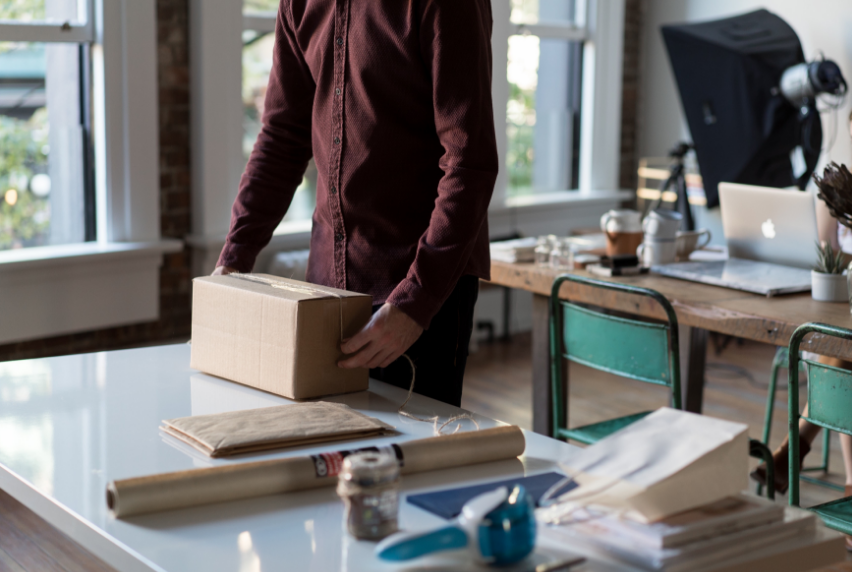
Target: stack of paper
(693,540)
(518,250)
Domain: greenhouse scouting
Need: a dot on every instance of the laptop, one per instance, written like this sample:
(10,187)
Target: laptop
(771,235)
(769,225)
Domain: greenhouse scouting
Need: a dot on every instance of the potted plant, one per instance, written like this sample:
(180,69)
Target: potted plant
(828,283)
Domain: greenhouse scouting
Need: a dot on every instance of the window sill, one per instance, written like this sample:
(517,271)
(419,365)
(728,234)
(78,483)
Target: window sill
(82,253)
(54,290)
(548,200)
(531,215)
(557,213)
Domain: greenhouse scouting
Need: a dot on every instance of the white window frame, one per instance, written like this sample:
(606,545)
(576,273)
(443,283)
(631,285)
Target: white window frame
(599,24)
(216,28)
(53,290)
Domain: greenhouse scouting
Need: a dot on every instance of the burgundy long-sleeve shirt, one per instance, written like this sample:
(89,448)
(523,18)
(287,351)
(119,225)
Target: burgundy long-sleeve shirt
(393,100)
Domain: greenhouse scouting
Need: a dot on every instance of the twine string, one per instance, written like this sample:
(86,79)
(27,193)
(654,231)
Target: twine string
(433,420)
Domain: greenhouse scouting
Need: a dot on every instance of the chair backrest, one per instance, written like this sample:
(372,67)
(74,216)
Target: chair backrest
(829,388)
(633,348)
(829,395)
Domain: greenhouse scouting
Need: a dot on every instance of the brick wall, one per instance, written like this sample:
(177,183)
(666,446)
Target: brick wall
(630,92)
(173,72)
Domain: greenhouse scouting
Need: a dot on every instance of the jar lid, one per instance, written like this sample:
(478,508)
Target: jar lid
(370,468)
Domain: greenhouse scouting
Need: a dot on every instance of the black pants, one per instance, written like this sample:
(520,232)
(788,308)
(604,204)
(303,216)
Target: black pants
(440,354)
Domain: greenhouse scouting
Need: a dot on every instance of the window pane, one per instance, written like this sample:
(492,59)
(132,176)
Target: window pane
(257,63)
(43,10)
(543,114)
(260,6)
(42,199)
(539,11)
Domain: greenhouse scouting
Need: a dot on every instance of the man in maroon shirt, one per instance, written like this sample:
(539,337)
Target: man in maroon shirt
(392,98)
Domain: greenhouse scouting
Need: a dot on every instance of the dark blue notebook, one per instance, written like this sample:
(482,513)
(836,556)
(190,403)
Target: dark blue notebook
(448,503)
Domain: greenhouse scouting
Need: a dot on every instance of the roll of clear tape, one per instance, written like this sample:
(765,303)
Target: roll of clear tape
(196,487)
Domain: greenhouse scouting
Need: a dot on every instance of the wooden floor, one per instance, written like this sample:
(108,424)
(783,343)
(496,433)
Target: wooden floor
(498,385)
(29,544)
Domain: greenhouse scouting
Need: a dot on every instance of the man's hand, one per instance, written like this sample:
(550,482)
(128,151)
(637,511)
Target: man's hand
(223,271)
(386,337)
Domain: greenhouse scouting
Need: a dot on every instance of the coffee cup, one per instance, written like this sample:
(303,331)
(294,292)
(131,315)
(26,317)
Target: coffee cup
(623,228)
(688,241)
(654,253)
(623,242)
(662,224)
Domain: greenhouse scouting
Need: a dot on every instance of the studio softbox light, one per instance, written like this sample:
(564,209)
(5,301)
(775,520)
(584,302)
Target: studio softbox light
(728,72)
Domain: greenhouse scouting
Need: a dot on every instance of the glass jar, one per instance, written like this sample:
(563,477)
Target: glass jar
(542,251)
(369,487)
(562,257)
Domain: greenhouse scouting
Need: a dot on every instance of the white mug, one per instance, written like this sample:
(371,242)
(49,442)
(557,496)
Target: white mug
(688,241)
(662,224)
(654,253)
(621,220)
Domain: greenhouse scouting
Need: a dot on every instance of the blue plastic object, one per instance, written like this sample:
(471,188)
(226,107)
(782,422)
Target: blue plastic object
(448,538)
(507,534)
(497,526)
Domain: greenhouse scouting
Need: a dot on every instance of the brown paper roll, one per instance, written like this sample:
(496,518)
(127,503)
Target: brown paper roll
(182,489)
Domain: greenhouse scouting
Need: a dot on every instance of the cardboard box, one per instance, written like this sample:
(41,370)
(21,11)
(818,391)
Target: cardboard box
(281,336)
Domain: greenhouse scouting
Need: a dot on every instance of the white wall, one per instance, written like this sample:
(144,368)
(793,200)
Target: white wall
(822,25)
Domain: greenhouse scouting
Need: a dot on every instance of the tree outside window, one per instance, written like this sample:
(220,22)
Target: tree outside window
(43,139)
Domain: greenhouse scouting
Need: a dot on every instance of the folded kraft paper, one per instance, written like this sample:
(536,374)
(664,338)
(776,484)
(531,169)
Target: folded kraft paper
(252,430)
(156,493)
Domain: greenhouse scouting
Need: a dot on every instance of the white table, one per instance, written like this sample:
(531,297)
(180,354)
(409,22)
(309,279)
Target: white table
(68,425)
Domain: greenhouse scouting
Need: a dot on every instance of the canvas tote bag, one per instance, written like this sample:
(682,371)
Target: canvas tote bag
(669,462)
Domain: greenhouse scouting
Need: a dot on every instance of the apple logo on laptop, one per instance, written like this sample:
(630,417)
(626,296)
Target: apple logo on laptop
(768,228)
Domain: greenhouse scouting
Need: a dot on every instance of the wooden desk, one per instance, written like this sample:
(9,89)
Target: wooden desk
(700,308)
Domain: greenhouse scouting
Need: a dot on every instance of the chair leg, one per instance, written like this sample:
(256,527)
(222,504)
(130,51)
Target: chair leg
(761,451)
(777,363)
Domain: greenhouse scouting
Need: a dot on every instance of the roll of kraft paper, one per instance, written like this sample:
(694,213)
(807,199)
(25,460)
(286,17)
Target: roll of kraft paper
(182,489)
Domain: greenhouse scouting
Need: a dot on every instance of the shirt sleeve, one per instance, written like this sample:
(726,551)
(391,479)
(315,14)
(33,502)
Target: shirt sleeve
(281,153)
(455,39)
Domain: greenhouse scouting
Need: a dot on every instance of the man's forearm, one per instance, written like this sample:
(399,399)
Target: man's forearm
(447,245)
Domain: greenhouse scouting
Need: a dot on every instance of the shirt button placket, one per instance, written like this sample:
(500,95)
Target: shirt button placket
(335,198)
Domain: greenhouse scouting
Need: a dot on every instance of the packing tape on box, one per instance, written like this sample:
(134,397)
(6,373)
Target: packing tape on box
(301,288)
(196,487)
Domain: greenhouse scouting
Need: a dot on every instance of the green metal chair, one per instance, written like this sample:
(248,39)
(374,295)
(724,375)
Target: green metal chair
(782,357)
(632,348)
(829,406)
(645,351)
